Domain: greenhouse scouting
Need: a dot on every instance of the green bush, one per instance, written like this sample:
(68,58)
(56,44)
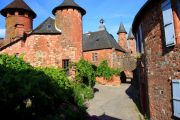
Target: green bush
(59,75)
(85,73)
(37,93)
(82,93)
(103,70)
(12,63)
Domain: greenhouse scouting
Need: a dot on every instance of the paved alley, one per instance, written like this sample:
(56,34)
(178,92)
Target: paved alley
(113,103)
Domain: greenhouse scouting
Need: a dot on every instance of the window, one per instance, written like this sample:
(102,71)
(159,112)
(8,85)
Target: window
(65,64)
(17,55)
(139,40)
(168,23)
(176,97)
(49,27)
(94,57)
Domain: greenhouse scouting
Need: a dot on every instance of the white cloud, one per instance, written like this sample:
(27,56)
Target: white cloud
(2,32)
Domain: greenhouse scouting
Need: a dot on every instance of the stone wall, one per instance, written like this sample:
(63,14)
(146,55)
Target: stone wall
(69,21)
(110,55)
(40,50)
(47,49)
(122,40)
(162,64)
(17,24)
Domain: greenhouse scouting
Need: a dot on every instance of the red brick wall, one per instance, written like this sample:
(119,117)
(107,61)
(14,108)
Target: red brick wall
(12,20)
(70,23)
(161,64)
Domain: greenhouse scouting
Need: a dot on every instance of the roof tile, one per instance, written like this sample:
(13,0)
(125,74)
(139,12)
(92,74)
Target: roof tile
(17,5)
(99,40)
(69,4)
(47,27)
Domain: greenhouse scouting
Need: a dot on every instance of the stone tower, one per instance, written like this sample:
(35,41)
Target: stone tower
(69,20)
(132,42)
(122,41)
(19,18)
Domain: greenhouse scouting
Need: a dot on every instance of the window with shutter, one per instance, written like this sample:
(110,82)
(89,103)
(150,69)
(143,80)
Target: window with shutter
(176,97)
(65,64)
(139,40)
(168,23)
(94,57)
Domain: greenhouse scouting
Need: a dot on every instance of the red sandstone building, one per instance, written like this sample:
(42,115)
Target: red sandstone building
(53,43)
(56,42)
(157,31)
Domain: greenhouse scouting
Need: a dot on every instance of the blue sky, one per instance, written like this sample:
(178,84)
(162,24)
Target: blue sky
(112,11)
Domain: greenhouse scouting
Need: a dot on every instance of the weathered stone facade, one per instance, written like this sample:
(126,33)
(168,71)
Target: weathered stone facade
(17,24)
(69,21)
(111,55)
(122,40)
(159,64)
(132,46)
(48,48)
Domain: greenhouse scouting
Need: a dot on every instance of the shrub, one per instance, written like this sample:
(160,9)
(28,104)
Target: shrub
(59,75)
(85,73)
(103,70)
(82,93)
(36,93)
(12,63)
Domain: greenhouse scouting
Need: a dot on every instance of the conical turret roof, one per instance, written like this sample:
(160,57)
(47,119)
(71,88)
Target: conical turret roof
(121,29)
(130,35)
(18,5)
(69,4)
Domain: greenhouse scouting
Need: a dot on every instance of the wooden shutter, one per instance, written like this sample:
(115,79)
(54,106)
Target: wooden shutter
(137,42)
(176,97)
(168,23)
(141,39)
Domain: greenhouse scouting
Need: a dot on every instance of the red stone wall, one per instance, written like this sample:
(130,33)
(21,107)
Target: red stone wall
(110,55)
(122,41)
(114,81)
(69,21)
(132,45)
(12,28)
(40,50)
(162,64)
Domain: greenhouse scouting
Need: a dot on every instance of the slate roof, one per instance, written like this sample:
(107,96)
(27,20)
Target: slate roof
(130,35)
(69,4)
(99,40)
(46,27)
(121,29)
(19,5)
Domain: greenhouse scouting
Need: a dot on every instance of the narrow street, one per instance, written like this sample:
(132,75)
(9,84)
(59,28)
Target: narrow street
(113,103)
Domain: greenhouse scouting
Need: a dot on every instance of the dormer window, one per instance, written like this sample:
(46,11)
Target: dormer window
(49,27)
